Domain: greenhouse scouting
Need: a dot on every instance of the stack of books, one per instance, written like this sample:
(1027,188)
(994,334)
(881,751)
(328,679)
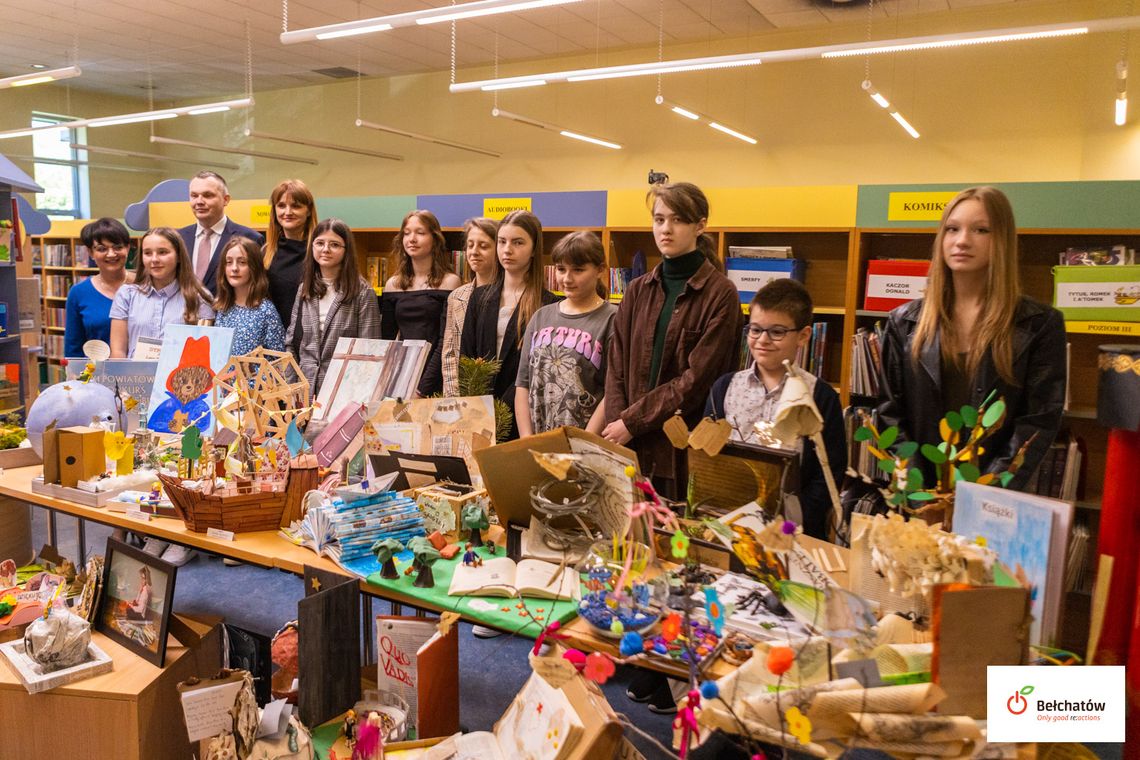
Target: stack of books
(867,361)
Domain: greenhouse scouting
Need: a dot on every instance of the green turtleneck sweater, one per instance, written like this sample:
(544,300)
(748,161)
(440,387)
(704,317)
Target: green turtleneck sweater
(675,272)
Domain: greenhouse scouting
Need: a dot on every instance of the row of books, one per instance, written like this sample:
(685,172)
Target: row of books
(760,251)
(62,255)
(53,345)
(813,356)
(1113,255)
(1061,474)
(867,361)
(55,316)
(377,273)
(859,457)
(620,278)
(57,285)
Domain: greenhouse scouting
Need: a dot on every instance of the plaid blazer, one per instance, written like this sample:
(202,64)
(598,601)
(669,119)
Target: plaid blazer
(314,347)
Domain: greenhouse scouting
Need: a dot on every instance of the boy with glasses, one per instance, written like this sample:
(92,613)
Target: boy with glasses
(779,324)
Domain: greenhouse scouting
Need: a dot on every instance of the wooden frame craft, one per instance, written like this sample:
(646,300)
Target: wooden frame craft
(267,401)
(151,584)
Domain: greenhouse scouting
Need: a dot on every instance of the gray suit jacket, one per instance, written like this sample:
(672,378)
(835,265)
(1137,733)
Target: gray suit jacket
(313,346)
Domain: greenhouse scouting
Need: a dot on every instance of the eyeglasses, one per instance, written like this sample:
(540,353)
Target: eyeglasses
(327,245)
(117,248)
(776,332)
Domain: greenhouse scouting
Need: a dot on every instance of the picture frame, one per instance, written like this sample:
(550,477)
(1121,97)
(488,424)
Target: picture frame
(131,577)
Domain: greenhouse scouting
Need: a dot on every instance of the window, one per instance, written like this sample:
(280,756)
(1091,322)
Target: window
(58,171)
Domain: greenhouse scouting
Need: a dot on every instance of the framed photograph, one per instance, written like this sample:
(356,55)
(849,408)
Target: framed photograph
(138,594)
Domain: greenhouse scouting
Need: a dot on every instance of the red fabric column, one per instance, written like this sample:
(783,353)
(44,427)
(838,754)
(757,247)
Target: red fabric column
(1120,537)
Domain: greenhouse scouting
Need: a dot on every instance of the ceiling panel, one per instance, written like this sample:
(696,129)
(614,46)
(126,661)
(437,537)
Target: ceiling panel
(195,49)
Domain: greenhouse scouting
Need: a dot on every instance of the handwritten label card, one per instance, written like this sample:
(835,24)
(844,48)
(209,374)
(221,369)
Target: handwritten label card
(207,710)
(556,671)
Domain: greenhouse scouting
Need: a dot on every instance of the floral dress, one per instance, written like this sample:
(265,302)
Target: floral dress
(253,326)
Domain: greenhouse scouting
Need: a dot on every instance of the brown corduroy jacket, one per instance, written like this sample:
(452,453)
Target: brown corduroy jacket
(702,342)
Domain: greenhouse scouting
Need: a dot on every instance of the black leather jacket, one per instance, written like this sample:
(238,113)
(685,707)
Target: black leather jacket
(1034,405)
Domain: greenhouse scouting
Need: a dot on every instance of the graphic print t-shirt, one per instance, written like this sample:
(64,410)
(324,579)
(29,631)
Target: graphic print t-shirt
(564,365)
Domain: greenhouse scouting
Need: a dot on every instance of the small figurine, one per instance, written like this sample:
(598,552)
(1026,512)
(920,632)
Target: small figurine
(350,728)
(87,373)
(475,520)
(370,744)
(470,558)
(385,550)
(155,494)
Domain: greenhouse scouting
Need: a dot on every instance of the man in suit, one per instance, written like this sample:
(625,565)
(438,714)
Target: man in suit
(207,238)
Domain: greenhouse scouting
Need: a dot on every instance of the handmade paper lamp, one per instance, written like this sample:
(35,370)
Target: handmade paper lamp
(796,416)
(1118,408)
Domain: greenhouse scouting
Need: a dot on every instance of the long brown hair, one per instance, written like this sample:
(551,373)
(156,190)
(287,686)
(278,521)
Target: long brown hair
(258,278)
(298,191)
(994,331)
(579,249)
(194,293)
(691,206)
(531,299)
(490,228)
(440,257)
(348,282)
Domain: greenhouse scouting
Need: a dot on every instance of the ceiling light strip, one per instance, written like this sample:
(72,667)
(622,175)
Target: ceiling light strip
(650,68)
(427,138)
(1121,115)
(882,102)
(133,118)
(692,115)
(236,151)
(428,16)
(552,128)
(77,162)
(40,77)
(156,156)
(325,145)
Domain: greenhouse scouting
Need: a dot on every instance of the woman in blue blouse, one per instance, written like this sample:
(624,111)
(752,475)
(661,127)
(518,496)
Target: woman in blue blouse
(165,292)
(89,302)
(243,299)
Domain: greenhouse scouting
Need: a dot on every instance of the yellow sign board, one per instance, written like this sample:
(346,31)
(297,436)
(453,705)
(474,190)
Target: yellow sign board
(497,208)
(918,207)
(1103,328)
(259,215)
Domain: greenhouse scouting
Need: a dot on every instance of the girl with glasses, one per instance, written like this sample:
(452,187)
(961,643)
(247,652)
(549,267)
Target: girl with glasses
(335,302)
(88,309)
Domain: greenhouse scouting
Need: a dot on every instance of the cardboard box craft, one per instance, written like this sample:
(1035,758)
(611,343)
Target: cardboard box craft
(81,454)
(509,469)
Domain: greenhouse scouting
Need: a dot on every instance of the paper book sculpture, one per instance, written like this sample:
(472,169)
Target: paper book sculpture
(184,389)
(265,399)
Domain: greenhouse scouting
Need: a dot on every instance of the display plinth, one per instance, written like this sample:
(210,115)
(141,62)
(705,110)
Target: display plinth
(122,715)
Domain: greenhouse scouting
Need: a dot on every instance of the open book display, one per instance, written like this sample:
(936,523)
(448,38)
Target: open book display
(501,576)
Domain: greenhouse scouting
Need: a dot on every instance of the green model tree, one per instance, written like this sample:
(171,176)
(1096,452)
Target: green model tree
(385,549)
(426,556)
(475,520)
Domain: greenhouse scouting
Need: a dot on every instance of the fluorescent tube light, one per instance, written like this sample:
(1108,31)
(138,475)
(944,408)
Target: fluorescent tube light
(140,154)
(353,32)
(515,85)
(132,118)
(325,145)
(427,138)
(486,8)
(75,162)
(413,18)
(237,151)
(814,53)
(875,94)
(498,112)
(1121,93)
(904,124)
(40,77)
(733,133)
(694,116)
(956,40)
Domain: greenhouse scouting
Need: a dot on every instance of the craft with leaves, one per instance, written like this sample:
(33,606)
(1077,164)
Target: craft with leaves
(956,458)
(475,520)
(385,549)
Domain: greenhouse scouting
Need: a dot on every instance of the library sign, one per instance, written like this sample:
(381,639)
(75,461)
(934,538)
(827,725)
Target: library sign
(918,206)
(497,208)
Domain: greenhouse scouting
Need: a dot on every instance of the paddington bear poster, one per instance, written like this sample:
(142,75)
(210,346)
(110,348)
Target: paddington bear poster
(184,392)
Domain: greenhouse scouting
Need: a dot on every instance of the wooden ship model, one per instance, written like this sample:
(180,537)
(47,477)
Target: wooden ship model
(265,484)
